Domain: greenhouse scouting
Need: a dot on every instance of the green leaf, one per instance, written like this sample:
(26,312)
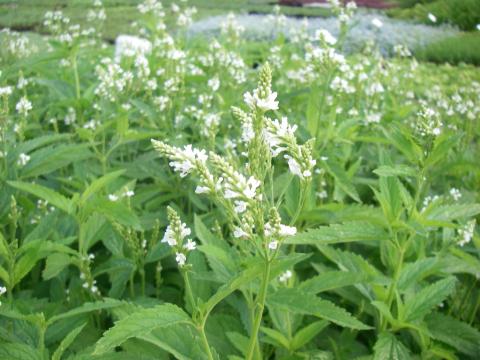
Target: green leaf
(388,347)
(19,351)
(331,280)
(55,264)
(49,159)
(301,302)
(220,260)
(340,233)
(87,307)
(98,184)
(414,272)
(277,338)
(455,333)
(205,235)
(233,284)
(140,323)
(239,341)
(67,341)
(53,197)
(395,170)
(424,301)
(26,263)
(342,179)
(306,334)
(117,212)
(402,140)
(453,212)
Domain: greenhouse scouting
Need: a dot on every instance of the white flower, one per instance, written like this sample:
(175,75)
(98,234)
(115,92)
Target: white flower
(254,101)
(202,189)
(294,167)
(180,258)
(5,91)
(432,17)
(112,197)
(455,193)
(273,245)
(214,84)
(478,27)
(129,46)
(129,193)
(190,245)
(23,159)
(284,277)
(184,160)
(377,23)
(23,106)
(240,206)
(324,35)
(466,233)
(286,230)
(239,233)
(278,134)
(169,237)
(3,290)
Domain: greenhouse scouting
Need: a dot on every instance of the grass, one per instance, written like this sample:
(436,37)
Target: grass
(25,15)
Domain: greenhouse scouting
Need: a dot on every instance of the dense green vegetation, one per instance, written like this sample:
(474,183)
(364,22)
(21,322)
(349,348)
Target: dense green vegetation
(454,50)
(191,198)
(465,14)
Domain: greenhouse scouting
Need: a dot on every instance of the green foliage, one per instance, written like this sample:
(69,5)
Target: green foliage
(463,13)
(347,231)
(455,50)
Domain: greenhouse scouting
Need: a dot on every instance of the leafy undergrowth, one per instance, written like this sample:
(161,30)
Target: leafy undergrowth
(223,199)
(463,48)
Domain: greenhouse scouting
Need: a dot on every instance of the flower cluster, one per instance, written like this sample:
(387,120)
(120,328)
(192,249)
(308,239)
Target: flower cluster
(281,138)
(175,235)
(466,233)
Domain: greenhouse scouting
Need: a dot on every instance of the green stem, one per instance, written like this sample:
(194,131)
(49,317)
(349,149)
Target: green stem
(261,305)
(188,289)
(75,74)
(142,278)
(203,336)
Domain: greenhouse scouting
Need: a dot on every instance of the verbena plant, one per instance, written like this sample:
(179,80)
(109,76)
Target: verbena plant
(147,212)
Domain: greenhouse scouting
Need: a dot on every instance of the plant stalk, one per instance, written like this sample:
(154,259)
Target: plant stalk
(258,316)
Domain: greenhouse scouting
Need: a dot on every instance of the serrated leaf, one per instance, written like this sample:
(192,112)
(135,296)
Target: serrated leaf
(305,335)
(67,341)
(339,233)
(395,170)
(425,300)
(388,347)
(55,263)
(99,184)
(455,333)
(87,307)
(453,212)
(49,159)
(414,272)
(276,337)
(342,179)
(19,351)
(141,322)
(53,197)
(205,235)
(331,280)
(301,302)
(239,341)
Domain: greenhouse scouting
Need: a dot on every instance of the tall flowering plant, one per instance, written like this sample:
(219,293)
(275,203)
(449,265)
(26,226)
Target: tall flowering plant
(242,190)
